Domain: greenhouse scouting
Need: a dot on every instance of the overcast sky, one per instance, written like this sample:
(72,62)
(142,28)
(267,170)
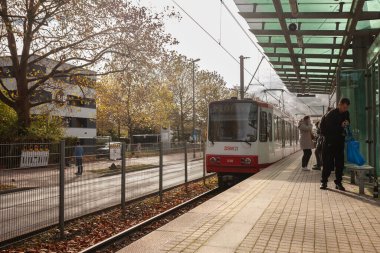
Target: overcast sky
(195,43)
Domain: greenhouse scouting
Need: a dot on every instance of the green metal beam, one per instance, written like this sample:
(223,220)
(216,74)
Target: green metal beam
(314,32)
(306,45)
(311,15)
(321,56)
(317,64)
(307,70)
(279,13)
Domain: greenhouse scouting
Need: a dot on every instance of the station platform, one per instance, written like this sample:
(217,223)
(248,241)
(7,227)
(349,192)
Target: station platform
(280,209)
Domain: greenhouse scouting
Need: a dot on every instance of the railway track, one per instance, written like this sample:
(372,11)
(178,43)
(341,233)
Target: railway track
(118,238)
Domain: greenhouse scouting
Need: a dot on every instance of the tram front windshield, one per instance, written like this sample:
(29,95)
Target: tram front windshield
(233,122)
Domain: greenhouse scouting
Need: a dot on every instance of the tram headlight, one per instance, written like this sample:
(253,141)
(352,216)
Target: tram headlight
(246,161)
(212,160)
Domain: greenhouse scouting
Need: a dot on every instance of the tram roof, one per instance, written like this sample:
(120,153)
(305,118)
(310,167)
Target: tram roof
(309,58)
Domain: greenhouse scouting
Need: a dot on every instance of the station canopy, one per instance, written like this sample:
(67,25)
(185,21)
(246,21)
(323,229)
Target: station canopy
(309,41)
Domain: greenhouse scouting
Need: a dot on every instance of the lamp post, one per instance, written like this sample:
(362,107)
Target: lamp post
(194,61)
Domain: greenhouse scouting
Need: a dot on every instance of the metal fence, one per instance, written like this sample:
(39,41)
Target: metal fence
(40,186)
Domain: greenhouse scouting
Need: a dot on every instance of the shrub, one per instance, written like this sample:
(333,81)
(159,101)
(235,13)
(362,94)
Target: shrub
(43,128)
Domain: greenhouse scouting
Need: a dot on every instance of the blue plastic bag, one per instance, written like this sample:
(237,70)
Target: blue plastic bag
(353,150)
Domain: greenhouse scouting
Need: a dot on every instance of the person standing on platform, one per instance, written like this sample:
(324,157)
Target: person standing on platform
(318,148)
(306,140)
(332,129)
(78,153)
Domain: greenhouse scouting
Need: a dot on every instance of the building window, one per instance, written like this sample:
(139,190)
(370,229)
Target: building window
(41,96)
(81,102)
(74,122)
(263,127)
(36,70)
(7,72)
(61,76)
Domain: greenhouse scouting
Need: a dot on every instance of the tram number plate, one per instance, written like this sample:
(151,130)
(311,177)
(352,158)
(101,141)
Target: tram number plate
(230,160)
(230,148)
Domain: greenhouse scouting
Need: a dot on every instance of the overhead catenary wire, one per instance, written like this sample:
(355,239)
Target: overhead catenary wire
(216,41)
(230,54)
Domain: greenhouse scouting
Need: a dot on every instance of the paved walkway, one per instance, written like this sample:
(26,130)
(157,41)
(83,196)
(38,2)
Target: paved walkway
(280,209)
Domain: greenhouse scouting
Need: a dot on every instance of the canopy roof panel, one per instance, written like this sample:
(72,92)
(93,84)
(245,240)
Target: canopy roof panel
(319,46)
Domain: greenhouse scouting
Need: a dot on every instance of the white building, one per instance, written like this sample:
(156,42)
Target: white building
(77,107)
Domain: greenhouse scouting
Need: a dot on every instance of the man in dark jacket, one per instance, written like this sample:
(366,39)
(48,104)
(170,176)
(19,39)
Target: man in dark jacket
(332,129)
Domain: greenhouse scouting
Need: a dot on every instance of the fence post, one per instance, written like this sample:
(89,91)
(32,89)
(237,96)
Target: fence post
(62,189)
(123,149)
(161,170)
(186,184)
(204,163)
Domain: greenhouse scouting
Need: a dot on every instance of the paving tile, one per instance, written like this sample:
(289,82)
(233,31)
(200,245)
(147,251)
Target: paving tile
(211,249)
(280,209)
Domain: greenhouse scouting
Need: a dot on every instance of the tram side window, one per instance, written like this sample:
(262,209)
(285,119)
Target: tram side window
(263,126)
(290,134)
(293,134)
(286,132)
(275,126)
(270,126)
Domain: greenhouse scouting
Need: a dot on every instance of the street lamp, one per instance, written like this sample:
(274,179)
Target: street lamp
(235,88)
(194,61)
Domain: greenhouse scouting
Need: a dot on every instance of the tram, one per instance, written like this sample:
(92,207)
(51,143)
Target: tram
(246,136)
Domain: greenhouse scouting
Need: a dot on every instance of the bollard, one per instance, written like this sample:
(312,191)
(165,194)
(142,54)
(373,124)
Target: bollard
(123,178)
(186,184)
(61,214)
(161,170)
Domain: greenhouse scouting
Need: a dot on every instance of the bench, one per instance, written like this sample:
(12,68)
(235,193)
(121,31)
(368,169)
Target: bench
(359,173)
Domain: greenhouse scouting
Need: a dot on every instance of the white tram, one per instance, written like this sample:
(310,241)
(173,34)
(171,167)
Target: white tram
(245,136)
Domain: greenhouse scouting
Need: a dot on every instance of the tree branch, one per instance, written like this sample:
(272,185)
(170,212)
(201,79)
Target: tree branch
(10,36)
(55,70)
(71,45)
(6,89)
(4,98)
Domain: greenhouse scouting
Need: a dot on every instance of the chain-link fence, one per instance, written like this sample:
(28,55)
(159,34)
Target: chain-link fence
(46,184)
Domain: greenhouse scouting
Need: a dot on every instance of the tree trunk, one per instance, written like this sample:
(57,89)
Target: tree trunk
(22,109)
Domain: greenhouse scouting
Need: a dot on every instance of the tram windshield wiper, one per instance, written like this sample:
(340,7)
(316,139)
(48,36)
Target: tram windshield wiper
(250,144)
